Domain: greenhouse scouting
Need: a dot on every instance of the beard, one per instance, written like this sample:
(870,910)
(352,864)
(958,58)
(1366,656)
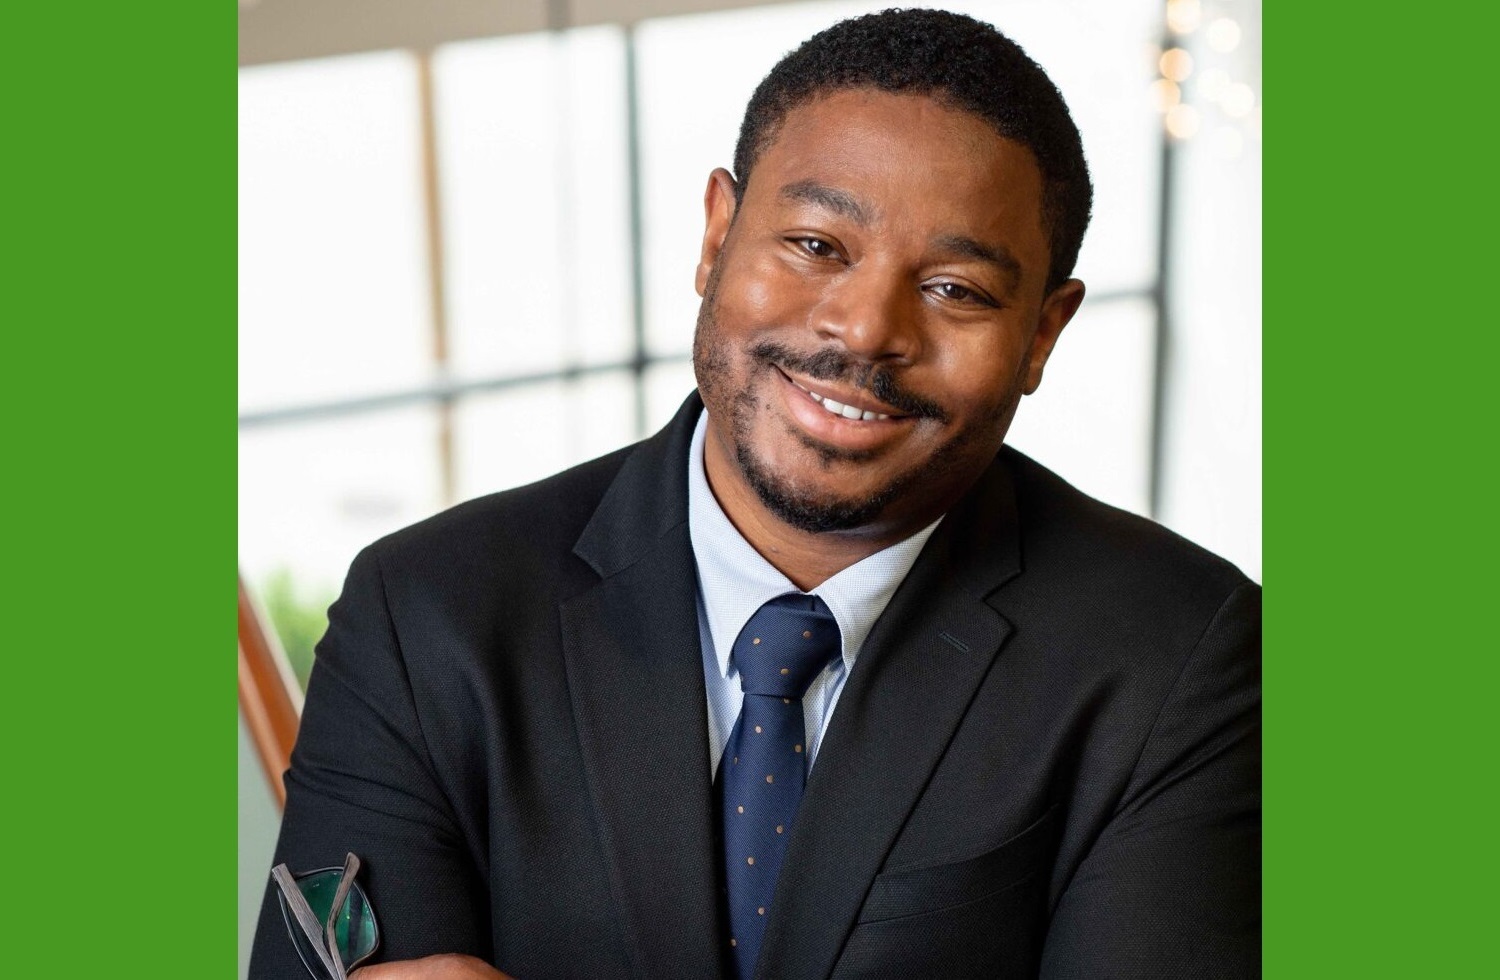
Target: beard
(805,508)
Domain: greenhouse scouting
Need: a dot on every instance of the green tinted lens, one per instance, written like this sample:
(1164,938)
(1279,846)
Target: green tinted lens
(354,927)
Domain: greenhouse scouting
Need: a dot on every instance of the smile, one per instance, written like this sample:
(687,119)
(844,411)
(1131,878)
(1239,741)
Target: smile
(852,425)
(851,412)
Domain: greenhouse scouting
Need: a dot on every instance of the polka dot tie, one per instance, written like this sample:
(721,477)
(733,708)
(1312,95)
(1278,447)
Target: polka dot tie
(783,647)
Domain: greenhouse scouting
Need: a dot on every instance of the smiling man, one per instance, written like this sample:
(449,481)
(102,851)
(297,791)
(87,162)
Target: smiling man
(876,300)
(823,680)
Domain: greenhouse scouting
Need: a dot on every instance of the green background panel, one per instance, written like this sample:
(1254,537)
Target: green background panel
(1380,528)
(118,301)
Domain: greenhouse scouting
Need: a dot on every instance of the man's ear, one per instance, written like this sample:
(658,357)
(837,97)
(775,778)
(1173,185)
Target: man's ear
(1057,309)
(718,214)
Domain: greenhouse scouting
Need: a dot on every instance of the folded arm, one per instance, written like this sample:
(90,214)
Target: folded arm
(361,780)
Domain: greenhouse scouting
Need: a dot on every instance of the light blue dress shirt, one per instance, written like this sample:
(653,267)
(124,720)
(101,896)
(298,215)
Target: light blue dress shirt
(734,581)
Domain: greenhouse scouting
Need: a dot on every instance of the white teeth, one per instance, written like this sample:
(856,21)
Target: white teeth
(838,408)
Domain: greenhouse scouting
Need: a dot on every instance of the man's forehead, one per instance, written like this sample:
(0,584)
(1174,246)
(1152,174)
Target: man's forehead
(897,109)
(857,153)
(852,122)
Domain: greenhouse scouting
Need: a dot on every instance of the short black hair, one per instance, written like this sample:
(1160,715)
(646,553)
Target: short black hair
(963,62)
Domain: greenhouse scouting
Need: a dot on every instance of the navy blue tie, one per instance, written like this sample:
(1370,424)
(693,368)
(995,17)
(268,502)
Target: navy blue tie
(783,647)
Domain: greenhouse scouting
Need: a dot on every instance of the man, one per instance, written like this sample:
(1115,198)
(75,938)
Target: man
(1029,729)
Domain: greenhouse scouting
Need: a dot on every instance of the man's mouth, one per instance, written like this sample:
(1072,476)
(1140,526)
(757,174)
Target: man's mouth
(851,412)
(843,422)
(851,390)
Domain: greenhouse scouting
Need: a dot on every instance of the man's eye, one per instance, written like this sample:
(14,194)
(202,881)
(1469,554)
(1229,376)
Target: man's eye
(818,247)
(961,294)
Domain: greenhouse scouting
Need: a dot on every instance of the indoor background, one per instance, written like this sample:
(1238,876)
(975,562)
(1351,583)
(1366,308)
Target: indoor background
(468,233)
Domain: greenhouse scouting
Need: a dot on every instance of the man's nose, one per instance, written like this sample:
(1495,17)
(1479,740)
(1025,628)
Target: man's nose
(872,313)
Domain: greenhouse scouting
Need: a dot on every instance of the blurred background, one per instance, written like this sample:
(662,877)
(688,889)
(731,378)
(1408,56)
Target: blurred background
(467,237)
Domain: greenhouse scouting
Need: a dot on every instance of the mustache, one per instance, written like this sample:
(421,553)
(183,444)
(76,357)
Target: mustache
(834,364)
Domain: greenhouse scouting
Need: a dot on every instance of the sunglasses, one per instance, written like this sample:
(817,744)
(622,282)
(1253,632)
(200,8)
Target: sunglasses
(329,918)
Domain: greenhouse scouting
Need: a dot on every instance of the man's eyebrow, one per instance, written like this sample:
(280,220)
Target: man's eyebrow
(996,255)
(822,195)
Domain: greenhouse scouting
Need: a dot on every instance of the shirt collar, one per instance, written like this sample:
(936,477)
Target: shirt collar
(734,580)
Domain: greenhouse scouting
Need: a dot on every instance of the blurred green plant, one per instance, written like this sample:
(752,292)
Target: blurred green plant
(299,620)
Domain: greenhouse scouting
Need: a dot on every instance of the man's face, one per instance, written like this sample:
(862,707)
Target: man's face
(872,313)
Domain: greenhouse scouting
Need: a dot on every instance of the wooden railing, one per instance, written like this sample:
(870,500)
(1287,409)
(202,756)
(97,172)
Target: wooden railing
(270,698)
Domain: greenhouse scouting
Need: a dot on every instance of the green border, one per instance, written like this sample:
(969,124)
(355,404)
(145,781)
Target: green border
(119,392)
(1379,341)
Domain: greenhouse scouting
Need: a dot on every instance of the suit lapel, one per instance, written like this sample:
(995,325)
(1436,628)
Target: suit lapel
(913,682)
(635,674)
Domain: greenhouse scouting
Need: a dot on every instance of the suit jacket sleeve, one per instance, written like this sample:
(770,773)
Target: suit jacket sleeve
(362,780)
(1171,887)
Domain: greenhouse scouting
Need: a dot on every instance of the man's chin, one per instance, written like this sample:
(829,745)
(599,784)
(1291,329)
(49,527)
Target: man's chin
(812,512)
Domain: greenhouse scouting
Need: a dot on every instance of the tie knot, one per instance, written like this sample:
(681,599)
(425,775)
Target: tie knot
(785,645)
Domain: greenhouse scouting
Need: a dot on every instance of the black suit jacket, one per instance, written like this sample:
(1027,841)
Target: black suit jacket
(1045,762)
